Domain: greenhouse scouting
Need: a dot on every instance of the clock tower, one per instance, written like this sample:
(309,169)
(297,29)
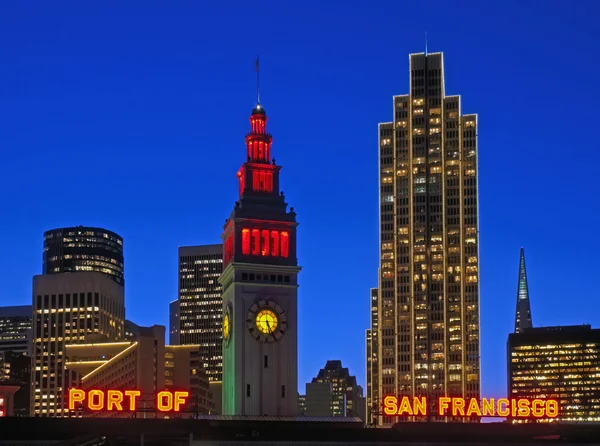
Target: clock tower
(260,271)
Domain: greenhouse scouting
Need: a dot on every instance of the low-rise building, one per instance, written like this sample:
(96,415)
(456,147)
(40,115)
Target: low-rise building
(560,363)
(143,363)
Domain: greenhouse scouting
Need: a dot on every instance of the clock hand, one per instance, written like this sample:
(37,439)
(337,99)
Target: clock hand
(271,331)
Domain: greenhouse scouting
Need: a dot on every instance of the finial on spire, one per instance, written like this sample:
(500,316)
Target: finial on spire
(426,43)
(257,82)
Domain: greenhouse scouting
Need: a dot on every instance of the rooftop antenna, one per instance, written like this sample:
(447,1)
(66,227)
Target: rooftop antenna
(425,44)
(257,82)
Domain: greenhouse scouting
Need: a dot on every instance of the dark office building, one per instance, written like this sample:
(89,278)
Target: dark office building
(561,363)
(16,371)
(83,248)
(15,328)
(334,392)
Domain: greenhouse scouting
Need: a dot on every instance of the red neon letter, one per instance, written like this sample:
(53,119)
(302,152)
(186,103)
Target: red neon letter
(285,244)
(98,404)
(523,406)
(503,409)
(389,405)
(115,398)
(536,409)
(265,243)
(443,402)
(75,396)
(473,408)
(132,394)
(246,241)
(552,408)
(458,406)
(255,242)
(275,243)
(180,400)
(420,405)
(164,401)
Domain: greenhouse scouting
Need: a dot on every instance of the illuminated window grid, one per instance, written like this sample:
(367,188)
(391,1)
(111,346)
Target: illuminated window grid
(558,363)
(428,168)
(200,304)
(67,318)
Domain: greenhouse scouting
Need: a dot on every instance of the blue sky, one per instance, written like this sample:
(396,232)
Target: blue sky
(131,116)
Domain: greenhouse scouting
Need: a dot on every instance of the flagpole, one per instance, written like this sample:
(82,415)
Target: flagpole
(257,81)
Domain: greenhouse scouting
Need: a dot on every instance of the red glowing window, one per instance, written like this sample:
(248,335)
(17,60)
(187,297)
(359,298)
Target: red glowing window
(255,242)
(246,241)
(262,181)
(285,244)
(265,242)
(275,243)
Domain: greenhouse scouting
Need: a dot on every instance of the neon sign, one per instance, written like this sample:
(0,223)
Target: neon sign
(461,407)
(124,400)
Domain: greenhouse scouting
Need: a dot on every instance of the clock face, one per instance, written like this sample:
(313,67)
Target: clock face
(227,326)
(266,321)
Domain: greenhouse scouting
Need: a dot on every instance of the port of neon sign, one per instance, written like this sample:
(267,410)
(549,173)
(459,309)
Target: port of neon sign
(461,407)
(124,400)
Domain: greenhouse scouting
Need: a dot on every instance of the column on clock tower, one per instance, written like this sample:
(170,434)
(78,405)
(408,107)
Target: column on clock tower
(260,269)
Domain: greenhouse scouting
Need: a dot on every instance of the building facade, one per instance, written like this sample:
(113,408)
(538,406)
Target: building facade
(200,304)
(373,406)
(174,322)
(67,307)
(143,363)
(560,363)
(523,315)
(82,248)
(344,394)
(183,370)
(260,331)
(428,315)
(15,371)
(15,328)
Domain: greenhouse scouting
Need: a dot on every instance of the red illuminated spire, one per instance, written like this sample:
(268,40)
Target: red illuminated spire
(258,141)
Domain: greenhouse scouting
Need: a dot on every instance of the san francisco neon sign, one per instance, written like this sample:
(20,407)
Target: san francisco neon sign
(124,400)
(461,407)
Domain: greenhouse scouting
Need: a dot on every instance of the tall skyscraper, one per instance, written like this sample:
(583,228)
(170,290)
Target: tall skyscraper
(67,307)
(523,315)
(260,288)
(174,322)
(428,317)
(200,304)
(15,329)
(83,248)
(80,293)
(372,402)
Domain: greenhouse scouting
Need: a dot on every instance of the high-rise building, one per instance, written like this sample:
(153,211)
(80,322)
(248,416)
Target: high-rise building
(66,308)
(260,288)
(174,322)
(15,328)
(372,402)
(523,314)
(560,363)
(200,304)
(334,385)
(428,333)
(82,248)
